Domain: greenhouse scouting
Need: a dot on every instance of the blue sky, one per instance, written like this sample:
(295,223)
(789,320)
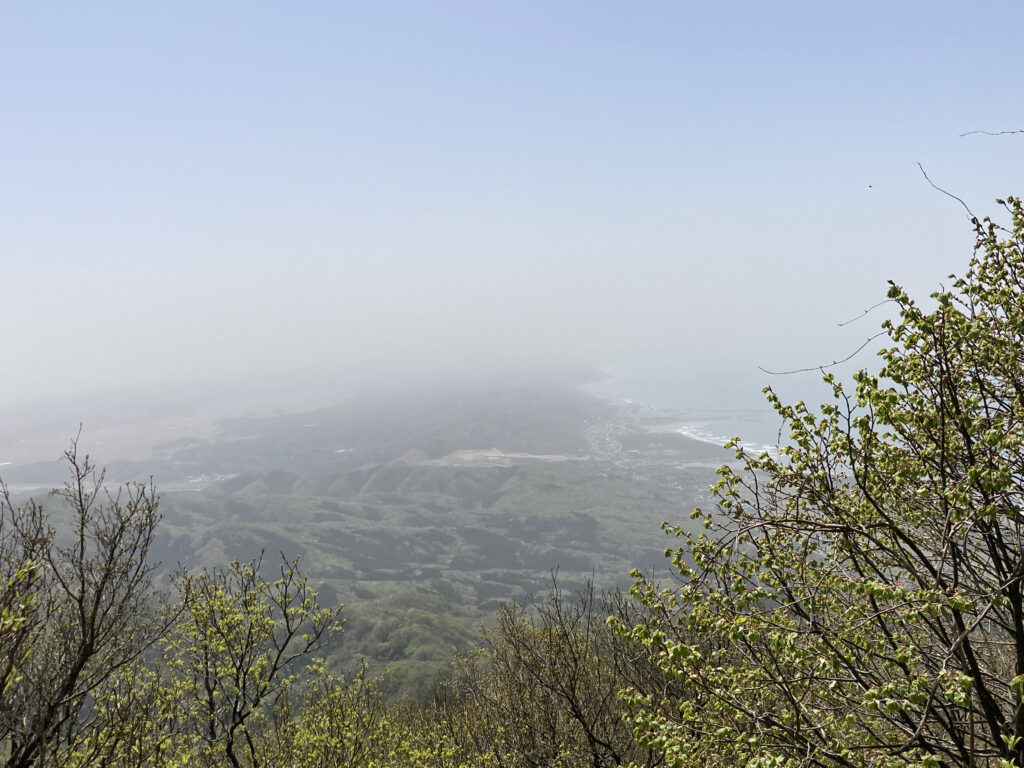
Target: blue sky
(191,190)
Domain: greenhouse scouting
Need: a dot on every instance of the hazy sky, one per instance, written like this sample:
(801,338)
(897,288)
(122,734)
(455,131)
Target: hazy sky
(191,189)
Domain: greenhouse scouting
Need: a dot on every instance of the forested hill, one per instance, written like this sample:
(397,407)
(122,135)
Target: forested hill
(422,511)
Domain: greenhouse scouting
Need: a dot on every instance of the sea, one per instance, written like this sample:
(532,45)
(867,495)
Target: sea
(713,406)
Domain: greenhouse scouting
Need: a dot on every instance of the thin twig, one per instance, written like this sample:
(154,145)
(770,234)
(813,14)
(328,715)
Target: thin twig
(974,219)
(993,133)
(862,314)
(824,366)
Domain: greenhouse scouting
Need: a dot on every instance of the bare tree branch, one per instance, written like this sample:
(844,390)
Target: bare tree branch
(974,219)
(824,366)
(993,133)
(864,313)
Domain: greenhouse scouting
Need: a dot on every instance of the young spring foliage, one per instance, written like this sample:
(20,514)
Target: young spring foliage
(230,654)
(543,689)
(75,610)
(857,600)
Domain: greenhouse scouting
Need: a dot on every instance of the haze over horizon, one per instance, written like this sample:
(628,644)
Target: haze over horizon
(231,191)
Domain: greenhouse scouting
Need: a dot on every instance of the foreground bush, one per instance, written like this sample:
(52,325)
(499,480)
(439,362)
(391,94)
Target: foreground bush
(857,601)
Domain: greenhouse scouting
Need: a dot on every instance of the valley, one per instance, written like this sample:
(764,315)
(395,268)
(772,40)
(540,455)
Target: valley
(422,511)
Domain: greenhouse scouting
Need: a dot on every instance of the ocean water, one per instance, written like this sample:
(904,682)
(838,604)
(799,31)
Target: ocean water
(714,406)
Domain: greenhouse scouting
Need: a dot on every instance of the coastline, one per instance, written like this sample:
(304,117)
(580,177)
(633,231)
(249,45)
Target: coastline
(714,427)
